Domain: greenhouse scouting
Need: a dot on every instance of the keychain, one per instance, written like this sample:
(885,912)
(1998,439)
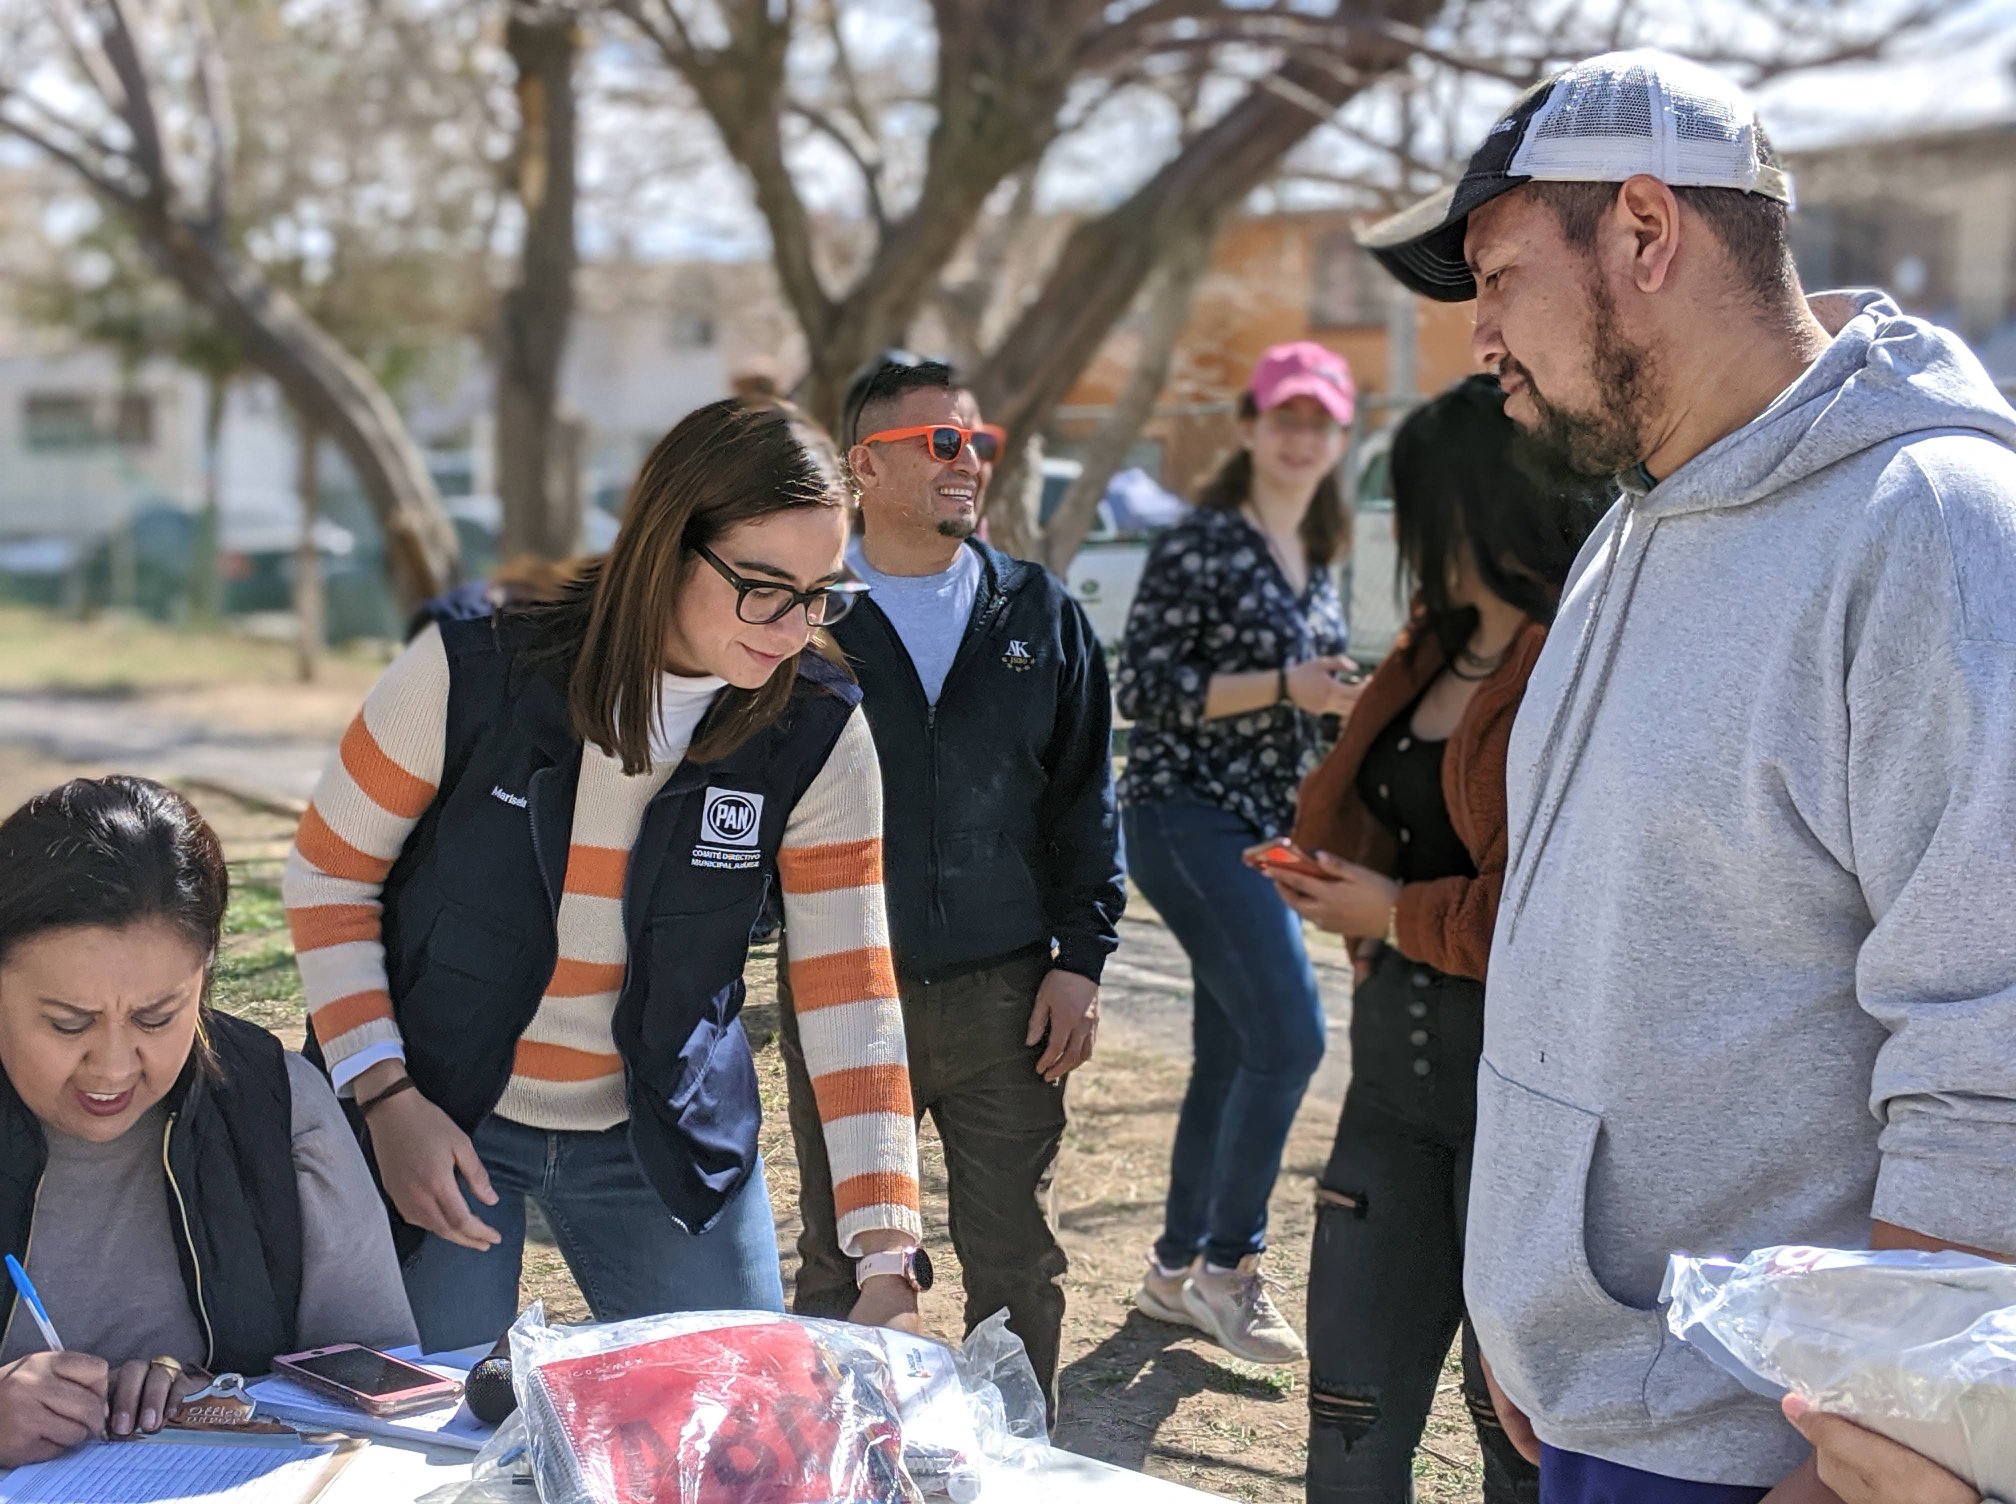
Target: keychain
(222,1404)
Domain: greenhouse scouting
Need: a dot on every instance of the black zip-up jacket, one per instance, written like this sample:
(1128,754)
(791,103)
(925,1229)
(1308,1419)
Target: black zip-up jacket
(234,1206)
(1000,837)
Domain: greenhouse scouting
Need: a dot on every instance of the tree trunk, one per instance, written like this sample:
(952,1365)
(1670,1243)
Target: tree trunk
(544,46)
(1000,84)
(124,565)
(327,387)
(566,472)
(1168,309)
(1107,260)
(206,580)
(310,627)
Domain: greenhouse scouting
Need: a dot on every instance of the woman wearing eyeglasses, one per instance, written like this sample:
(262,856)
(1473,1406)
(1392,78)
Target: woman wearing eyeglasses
(523,895)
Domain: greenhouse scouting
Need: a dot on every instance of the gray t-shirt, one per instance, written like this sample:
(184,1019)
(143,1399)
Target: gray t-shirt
(102,1252)
(928,611)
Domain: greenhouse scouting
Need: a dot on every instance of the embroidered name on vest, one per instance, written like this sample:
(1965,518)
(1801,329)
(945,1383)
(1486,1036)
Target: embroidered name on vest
(731,825)
(497,791)
(1018,657)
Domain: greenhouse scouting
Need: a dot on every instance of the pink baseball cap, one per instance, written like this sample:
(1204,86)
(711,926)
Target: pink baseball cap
(1304,369)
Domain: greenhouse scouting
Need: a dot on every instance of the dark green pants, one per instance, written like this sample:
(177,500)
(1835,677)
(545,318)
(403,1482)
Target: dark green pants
(1000,1124)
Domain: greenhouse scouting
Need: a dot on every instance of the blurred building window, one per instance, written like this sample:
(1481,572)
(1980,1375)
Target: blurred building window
(1898,247)
(85,420)
(58,420)
(133,423)
(1346,289)
(693,331)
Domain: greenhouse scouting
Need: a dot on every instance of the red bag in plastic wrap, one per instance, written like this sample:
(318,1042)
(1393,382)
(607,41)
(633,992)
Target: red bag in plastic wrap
(758,1414)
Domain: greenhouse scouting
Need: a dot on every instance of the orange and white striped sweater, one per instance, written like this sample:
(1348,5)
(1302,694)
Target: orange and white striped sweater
(566,1074)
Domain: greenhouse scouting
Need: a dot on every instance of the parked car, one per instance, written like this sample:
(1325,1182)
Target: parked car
(1106,571)
(1373,602)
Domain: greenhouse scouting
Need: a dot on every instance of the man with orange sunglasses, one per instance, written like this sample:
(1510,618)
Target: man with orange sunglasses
(985,689)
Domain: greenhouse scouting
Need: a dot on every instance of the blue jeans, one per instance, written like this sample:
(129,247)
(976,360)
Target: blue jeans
(621,1245)
(1257,1025)
(1572,1478)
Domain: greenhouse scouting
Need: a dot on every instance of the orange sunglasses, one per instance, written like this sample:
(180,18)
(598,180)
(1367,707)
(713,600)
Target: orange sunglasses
(945,440)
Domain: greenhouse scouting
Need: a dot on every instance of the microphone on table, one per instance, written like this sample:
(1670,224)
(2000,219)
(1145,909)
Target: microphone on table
(488,1388)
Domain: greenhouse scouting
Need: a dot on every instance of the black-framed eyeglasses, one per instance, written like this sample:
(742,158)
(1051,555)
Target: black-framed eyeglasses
(761,602)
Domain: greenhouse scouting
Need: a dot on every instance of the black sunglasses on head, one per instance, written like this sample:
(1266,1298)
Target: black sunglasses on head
(761,602)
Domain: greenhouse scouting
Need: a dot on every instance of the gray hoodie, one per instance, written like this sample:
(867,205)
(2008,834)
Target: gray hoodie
(1754,977)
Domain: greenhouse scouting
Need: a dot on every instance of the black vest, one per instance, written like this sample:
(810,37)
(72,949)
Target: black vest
(234,1209)
(471,903)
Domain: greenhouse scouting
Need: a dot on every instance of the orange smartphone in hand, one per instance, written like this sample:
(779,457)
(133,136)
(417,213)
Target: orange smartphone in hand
(1283,855)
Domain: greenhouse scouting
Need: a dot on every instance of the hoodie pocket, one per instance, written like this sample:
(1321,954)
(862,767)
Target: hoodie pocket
(988,895)
(1559,1343)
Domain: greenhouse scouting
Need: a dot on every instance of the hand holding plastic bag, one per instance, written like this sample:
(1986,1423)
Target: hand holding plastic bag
(1917,1347)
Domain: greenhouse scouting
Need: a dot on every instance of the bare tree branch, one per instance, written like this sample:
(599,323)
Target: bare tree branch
(870,170)
(89,63)
(137,112)
(741,87)
(1871,46)
(1156,28)
(174,72)
(1107,260)
(1168,300)
(848,76)
(220,124)
(94,174)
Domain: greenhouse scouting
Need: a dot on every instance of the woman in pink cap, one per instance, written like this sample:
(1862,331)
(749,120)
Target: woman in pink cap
(1232,666)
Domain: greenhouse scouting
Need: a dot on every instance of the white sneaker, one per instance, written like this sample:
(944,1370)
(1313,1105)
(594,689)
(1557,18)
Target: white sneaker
(1161,1295)
(1233,1307)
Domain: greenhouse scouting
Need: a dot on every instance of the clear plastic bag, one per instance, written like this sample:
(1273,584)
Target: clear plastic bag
(1919,1347)
(500,1473)
(709,1407)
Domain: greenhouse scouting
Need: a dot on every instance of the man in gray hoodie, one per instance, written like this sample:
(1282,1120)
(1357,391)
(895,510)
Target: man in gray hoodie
(1754,977)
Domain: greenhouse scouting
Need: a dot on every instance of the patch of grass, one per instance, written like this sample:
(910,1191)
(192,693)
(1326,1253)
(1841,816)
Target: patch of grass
(256,908)
(115,656)
(259,982)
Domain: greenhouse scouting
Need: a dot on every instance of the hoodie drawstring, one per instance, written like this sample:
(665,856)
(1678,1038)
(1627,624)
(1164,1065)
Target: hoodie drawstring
(1545,763)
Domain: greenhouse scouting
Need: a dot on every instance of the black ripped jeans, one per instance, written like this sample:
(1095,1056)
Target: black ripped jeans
(1386,1270)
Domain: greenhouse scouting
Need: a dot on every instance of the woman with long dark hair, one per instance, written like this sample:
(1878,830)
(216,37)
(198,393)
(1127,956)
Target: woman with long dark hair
(184,1193)
(523,895)
(1407,815)
(1232,660)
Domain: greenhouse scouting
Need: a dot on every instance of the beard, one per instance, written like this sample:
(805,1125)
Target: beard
(1609,438)
(961,528)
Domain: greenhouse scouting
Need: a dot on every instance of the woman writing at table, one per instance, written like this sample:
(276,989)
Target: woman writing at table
(184,1193)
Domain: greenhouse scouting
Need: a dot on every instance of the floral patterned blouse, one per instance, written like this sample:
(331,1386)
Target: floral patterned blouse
(1213,601)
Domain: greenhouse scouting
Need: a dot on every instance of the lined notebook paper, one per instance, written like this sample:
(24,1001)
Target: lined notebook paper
(174,1472)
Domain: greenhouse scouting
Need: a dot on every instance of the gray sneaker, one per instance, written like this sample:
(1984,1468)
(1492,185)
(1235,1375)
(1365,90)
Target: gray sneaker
(1161,1295)
(1235,1309)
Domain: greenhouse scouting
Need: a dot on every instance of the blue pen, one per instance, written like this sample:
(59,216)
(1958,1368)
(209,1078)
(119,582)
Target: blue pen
(27,1288)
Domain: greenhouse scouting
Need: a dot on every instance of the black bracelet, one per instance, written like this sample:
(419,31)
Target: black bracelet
(1281,694)
(404,1083)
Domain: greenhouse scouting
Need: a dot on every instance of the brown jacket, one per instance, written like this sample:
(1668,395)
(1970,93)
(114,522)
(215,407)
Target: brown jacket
(1446,923)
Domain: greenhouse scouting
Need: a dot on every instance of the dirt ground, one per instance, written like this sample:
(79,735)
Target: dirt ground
(1134,1392)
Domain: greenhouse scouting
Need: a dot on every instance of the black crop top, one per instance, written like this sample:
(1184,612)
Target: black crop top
(1401,783)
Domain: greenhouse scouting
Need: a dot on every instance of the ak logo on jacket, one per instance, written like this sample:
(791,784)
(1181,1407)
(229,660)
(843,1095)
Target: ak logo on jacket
(1018,657)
